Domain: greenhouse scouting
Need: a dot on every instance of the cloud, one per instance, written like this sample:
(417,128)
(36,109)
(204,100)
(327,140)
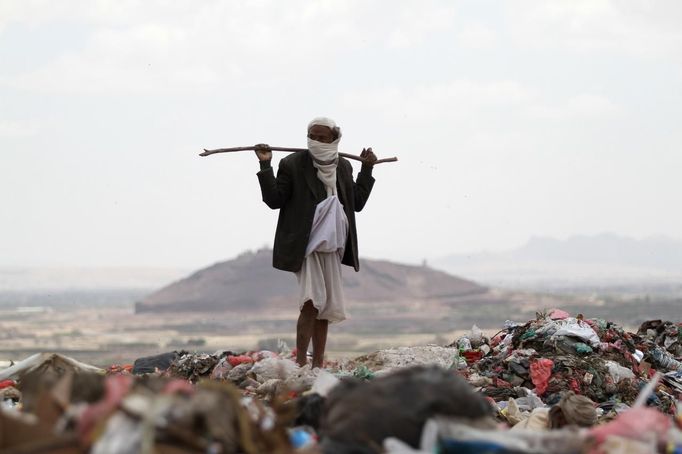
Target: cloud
(147,58)
(16,129)
(146,48)
(628,27)
(187,47)
(412,24)
(468,99)
(156,47)
(476,35)
(457,98)
(583,105)
(495,135)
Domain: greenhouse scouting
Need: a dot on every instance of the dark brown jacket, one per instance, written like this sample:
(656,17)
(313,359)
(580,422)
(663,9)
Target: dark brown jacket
(296,191)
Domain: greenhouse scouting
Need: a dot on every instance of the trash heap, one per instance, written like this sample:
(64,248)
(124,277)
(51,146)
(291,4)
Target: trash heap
(557,384)
(555,353)
(261,374)
(264,373)
(77,408)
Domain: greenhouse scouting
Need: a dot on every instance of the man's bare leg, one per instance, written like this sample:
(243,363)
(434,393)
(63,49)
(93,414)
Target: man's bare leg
(319,341)
(304,331)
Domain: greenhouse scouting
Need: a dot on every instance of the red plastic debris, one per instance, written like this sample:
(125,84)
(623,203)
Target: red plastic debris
(119,369)
(7,383)
(495,341)
(540,371)
(499,383)
(237,360)
(472,356)
(575,387)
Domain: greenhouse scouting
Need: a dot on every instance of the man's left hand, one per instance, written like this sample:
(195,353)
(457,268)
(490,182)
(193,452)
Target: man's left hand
(369,157)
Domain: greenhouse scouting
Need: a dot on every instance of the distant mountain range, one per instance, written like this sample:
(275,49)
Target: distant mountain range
(250,283)
(588,261)
(605,258)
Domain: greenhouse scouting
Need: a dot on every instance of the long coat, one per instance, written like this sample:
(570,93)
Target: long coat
(296,191)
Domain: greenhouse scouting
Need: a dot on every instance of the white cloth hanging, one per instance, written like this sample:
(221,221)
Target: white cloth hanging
(320,279)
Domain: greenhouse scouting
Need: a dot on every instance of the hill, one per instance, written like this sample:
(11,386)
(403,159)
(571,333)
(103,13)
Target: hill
(605,259)
(249,282)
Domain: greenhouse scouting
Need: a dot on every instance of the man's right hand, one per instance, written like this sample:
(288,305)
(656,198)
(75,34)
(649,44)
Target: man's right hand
(263,151)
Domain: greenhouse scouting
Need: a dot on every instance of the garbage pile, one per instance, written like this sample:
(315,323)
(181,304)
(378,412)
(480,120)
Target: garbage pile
(80,409)
(262,373)
(555,353)
(557,384)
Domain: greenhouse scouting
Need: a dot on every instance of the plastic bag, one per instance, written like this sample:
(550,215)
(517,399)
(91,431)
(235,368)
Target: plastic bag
(530,401)
(665,360)
(7,383)
(475,336)
(582,348)
(576,328)
(558,314)
(324,383)
(464,344)
(237,360)
(512,413)
(221,370)
(271,368)
(540,371)
(636,423)
(618,372)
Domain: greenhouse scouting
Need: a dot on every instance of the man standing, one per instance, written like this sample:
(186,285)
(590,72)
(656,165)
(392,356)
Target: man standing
(317,198)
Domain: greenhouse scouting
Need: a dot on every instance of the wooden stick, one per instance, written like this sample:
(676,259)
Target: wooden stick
(289,150)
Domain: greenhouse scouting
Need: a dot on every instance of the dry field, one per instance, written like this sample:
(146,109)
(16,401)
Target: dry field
(101,328)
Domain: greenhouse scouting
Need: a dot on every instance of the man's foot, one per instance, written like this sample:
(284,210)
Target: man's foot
(306,357)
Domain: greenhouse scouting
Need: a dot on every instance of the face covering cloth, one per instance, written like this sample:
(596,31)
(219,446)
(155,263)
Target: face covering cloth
(325,155)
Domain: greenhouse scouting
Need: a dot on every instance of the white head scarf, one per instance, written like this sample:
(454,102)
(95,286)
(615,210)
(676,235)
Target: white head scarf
(325,155)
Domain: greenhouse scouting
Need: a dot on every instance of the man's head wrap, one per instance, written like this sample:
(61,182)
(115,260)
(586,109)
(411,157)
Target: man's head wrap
(328,122)
(325,155)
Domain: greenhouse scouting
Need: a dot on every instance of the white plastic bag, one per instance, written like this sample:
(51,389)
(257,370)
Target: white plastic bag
(618,372)
(324,383)
(579,329)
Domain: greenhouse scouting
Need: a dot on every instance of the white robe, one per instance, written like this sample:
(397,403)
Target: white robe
(320,276)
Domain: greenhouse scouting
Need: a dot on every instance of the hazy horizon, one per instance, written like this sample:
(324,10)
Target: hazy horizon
(510,120)
(602,261)
(442,255)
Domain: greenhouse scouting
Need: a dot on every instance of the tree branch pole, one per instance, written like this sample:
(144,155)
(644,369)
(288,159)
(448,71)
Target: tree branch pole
(290,150)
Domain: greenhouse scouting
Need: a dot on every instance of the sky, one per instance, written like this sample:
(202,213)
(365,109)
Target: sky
(510,119)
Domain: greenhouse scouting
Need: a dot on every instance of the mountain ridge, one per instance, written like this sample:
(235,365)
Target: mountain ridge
(606,257)
(249,282)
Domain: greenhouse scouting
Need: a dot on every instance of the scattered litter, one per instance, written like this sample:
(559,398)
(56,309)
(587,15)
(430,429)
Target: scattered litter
(556,383)
(156,363)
